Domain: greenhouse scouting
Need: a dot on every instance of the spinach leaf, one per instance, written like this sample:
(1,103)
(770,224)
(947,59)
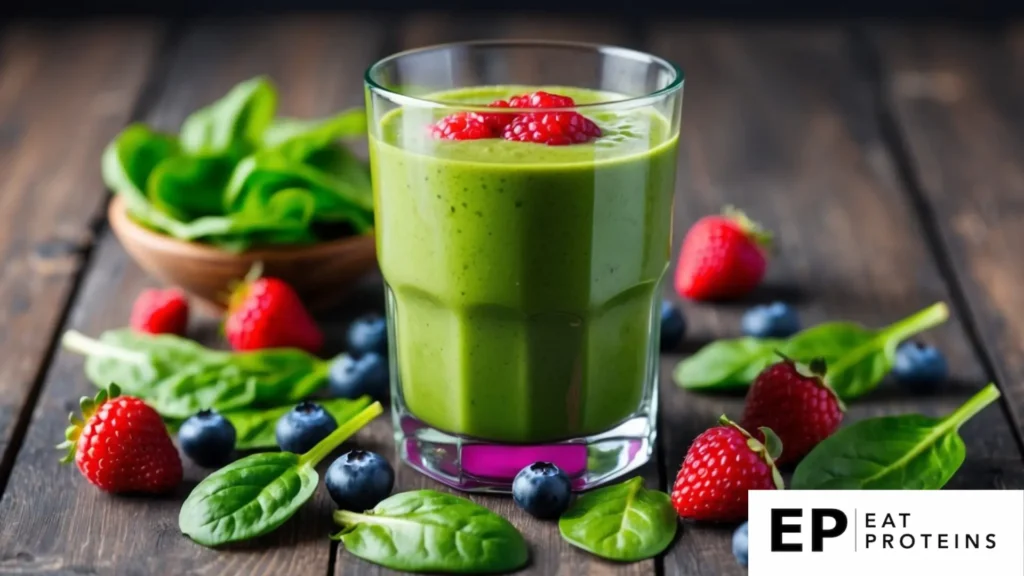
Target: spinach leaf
(254,428)
(861,366)
(255,495)
(428,531)
(137,363)
(287,212)
(270,171)
(726,363)
(127,164)
(179,377)
(340,163)
(283,374)
(299,139)
(219,386)
(857,358)
(238,178)
(910,452)
(190,187)
(625,522)
(827,341)
(246,499)
(234,124)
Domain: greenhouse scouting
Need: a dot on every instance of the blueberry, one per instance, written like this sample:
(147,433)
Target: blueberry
(303,427)
(775,320)
(739,544)
(918,365)
(359,480)
(542,489)
(368,333)
(207,438)
(673,326)
(352,377)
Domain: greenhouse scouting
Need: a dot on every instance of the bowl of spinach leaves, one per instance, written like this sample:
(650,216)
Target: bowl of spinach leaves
(237,185)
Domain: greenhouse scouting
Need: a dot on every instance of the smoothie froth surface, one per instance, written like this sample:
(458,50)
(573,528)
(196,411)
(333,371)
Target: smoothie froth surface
(624,133)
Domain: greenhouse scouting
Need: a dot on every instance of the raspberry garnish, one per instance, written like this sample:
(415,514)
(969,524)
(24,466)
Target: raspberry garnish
(463,126)
(541,99)
(498,120)
(551,128)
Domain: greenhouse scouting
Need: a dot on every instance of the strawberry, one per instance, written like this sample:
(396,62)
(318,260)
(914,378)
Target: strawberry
(267,313)
(795,402)
(720,467)
(160,312)
(121,445)
(723,256)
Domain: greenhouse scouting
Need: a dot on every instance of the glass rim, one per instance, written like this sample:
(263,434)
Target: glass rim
(609,49)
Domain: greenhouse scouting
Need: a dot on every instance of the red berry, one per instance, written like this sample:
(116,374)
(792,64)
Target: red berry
(463,126)
(498,120)
(796,404)
(551,128)
(160,312)
(267,313)
(122,445)
(721,466)
(721,257)
(541,99)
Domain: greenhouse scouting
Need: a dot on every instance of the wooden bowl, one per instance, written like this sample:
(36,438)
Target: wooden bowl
(321,273)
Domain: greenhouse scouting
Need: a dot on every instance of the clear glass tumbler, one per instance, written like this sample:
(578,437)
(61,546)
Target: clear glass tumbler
(523,279)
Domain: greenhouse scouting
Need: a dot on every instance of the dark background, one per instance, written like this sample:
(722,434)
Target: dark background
(718,9)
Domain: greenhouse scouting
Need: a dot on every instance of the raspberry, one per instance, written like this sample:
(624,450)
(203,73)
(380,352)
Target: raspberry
(463,126)
(551,128)
(541,99)
(498,121)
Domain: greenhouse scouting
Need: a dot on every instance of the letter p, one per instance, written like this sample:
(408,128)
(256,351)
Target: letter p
(818,531)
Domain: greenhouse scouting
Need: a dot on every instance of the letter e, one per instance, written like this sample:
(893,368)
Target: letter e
(779,528)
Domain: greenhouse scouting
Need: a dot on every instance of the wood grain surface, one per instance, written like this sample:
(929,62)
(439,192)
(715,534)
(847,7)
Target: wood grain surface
(53,521)
(957,107)
(64,92)
(781,124)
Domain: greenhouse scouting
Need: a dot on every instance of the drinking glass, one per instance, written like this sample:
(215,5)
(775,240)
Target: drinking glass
(523,279)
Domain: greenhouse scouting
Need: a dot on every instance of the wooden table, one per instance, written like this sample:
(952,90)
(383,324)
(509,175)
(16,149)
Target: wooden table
(889,161)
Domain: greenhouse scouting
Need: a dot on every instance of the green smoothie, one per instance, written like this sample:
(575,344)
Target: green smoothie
(523,278)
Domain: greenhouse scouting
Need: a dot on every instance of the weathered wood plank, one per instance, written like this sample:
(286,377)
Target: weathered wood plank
(956,97)
(64,91)
(550,555)
(53,521)
(780,123)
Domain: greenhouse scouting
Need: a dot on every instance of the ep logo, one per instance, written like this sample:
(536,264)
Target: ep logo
(858,532)
(822,523)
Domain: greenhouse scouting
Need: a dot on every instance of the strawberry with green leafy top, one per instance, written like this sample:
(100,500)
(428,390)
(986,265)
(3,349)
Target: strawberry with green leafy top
(794,400)
(268,313)
(723,256)
(722,465)
(121,445)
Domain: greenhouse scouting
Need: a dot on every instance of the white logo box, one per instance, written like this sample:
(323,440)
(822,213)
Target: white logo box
(889,533)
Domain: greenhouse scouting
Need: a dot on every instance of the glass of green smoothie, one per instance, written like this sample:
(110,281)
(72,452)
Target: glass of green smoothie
(523,196)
